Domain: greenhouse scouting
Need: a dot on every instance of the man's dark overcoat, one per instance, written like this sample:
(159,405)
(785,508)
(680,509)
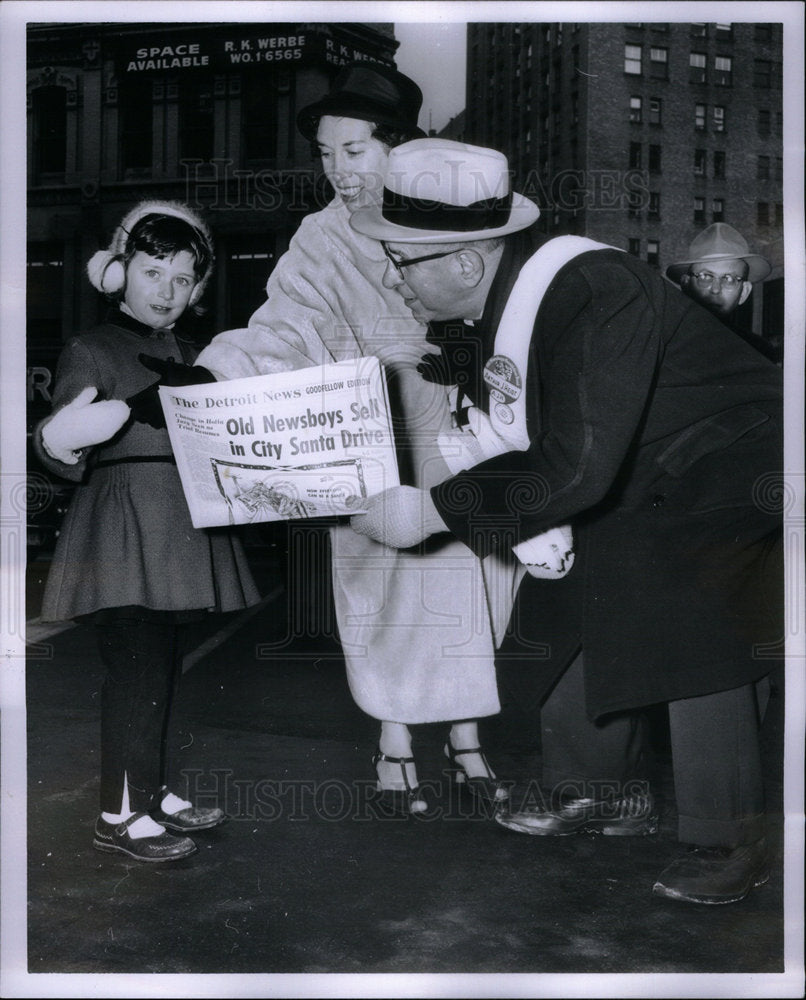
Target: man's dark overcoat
(658,435)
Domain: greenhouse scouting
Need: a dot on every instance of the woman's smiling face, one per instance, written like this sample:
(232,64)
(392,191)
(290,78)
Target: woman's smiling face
(158,289)
(354,162)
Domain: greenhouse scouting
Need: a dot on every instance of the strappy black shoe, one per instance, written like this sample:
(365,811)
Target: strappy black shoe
(398,801)
(487,789)
(115,837)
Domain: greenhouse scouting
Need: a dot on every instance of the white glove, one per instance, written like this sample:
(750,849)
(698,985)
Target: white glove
(549,555)
(82,423)
(399,517)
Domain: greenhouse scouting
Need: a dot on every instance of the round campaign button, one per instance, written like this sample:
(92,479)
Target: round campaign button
(504,413)
(501,374)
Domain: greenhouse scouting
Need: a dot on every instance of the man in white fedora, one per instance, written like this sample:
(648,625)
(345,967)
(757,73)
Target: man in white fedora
(719,272)
(594,407)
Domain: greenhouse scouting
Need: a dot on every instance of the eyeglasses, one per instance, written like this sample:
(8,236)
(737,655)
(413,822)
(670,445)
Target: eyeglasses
(707,280)
(400,264)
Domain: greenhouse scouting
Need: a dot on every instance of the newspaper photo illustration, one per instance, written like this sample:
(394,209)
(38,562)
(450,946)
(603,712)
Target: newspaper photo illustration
(297,444)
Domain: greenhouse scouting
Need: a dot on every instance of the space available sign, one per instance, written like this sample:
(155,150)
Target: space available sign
(297,444)
(238,45)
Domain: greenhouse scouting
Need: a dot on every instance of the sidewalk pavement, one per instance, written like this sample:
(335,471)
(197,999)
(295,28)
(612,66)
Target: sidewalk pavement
(303,880)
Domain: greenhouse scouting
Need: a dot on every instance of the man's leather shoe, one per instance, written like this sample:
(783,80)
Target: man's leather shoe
(188,820)
(631,816)
(715,875)
(115,838)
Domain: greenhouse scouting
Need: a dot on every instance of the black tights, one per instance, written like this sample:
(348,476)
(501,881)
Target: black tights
(143,667)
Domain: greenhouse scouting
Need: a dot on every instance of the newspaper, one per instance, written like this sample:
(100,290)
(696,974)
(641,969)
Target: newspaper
(297,444)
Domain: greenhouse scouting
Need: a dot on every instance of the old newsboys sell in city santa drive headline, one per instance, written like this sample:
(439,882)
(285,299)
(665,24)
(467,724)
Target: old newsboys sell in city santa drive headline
(292,445)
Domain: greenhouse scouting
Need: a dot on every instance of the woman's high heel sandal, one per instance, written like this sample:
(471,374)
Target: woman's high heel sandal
(488,788)
(398,801)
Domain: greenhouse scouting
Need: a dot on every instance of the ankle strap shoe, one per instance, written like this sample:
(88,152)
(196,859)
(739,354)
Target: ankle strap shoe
(486,788)
(115,838)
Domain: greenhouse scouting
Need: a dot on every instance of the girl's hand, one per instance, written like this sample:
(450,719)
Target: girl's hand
(145,405)
(82,424)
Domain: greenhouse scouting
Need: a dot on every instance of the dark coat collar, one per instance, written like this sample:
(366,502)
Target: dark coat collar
(119,318)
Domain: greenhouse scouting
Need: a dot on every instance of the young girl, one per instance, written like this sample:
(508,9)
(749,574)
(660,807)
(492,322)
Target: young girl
(128,561)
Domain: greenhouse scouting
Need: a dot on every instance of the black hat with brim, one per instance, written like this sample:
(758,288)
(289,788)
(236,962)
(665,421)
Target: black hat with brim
(368,92)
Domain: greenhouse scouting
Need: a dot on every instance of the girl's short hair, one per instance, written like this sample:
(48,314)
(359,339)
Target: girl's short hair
(164,236)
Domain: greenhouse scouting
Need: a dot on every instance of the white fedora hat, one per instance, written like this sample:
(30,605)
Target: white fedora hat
(439,191)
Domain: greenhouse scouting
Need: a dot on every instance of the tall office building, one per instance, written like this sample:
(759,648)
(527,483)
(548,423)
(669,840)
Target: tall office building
(640,135)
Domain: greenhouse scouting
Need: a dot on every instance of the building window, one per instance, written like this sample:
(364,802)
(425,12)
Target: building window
(700,111)
(654,159)
(719,163)
(251,260)
(779,215)
(762,213)
(635,156)
(697,67)
(724,31)
(49,119)
(762,73)
(723,71)
(634,247)
(635,109)
(654,205)
(634,204)
(659,63)
(699,29)
(778,173)
(655,110)
(653,252)
(44,276)
(196,128)
(699,209)
(719,118)
(259,117)
(779,122)
(763,122)
(700,158)
(632,59)
(763,33)
(136,124)
(763,168)
(717,210)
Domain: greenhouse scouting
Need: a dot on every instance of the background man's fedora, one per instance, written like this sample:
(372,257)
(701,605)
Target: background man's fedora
(439,191)
(720,241)
(368,93)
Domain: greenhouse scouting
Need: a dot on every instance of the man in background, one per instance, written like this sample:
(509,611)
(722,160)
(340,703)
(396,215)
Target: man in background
(719,273)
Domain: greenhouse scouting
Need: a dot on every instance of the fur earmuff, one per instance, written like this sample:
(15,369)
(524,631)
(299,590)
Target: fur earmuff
(106,272)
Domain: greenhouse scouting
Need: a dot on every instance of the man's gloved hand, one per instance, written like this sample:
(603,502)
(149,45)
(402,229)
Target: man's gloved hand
(82,424)
(145,405)
(399,517)
(549,555)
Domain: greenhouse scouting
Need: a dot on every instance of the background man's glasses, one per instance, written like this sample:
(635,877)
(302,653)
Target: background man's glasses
(706,280)
(400,264)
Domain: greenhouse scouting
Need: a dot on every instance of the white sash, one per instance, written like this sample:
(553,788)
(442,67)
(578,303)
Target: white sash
(505,429)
